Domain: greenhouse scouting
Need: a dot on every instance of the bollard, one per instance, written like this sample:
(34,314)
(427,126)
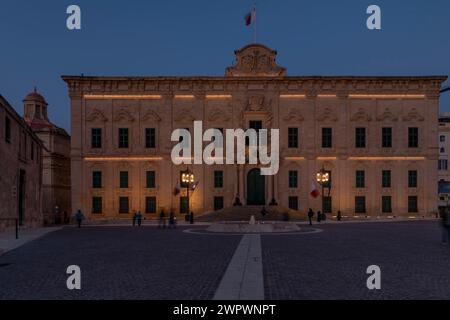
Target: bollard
(17,228)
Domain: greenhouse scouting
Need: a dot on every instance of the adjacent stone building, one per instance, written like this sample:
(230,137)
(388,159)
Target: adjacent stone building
(375,135)
(20,170)
(444,151)
(56,159)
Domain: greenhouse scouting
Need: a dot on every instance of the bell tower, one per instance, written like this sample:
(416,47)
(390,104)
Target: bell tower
(35,110)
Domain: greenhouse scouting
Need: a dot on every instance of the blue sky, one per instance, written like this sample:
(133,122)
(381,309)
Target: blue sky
(198,37)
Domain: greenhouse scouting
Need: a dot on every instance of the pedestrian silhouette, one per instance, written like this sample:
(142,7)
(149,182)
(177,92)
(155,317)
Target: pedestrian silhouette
(339,215)
(319,216)
(134,218)
(191,218)
(162,219)
(310,216)
(139,218)
(79,217)
(172,222)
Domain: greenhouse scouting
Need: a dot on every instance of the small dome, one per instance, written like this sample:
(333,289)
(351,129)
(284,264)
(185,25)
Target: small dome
(35,96)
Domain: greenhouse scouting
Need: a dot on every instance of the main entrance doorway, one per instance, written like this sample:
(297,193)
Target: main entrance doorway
(256,188)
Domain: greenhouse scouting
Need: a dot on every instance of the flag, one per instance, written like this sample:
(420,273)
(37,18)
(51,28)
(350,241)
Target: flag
(194,186)
(176,190)
(314,192)
(250,17)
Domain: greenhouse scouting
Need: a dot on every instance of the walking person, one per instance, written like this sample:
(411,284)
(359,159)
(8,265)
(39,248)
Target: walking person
(319,216)
(191,218)
(310,216)
(79,217)
(172,222)
(139,218)
(162,219)
(339,215)
(134,218)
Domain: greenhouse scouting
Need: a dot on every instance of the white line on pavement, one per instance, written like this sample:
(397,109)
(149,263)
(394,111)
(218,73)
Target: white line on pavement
(243,279)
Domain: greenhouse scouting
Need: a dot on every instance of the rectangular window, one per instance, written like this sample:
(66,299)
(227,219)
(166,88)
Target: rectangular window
(218,179)
(96,138)
(151,179)
(123,179)
(327,204)
(386,137)
(218,203)
(386,204)
(360,179)
(97,205)
(96,179)
(150,138)
(293,179)
(293,137)
(443,164)
(123,137)
(124,205)
(412,204)
(413,137)
(293,203)
(327,138)
(7,129)
(360,137)
(150,204)
(412,179)
(255,125)
(386,178)
(360,204)
(184,205)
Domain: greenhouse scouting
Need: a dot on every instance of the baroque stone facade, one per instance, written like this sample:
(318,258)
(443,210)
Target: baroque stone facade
(55,158)
(375,135)
(20,171)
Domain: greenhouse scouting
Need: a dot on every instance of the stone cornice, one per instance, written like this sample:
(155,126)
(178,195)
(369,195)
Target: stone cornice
(428,85)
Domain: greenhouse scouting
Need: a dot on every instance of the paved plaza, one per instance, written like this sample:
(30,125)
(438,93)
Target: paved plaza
(120,262)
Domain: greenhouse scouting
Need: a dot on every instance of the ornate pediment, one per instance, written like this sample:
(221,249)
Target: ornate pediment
(327,115)
(96,115)
(184,116)
(294,115)
(361,115)
(218,115)
(123,115)
(387,115)
(151,115)
(255,60)
(413,115)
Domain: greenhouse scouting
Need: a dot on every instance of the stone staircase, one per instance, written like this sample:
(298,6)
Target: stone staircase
(243,213)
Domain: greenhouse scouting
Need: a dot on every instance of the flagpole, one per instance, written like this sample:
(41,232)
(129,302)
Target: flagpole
(256,21)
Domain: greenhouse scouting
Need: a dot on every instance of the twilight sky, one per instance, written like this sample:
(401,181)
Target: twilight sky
(198,37)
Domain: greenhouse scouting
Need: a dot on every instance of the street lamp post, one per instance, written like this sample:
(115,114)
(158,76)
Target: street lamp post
(322,177)
(187,177)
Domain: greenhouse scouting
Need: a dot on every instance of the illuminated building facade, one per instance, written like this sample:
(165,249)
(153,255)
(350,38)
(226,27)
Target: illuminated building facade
(375,135)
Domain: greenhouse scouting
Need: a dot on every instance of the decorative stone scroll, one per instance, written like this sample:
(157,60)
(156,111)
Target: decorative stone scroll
(96,115)
(255,60)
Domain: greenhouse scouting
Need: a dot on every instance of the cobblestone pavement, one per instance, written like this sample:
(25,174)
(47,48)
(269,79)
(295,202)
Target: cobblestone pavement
(332,264)
(117,263)
(148,263)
